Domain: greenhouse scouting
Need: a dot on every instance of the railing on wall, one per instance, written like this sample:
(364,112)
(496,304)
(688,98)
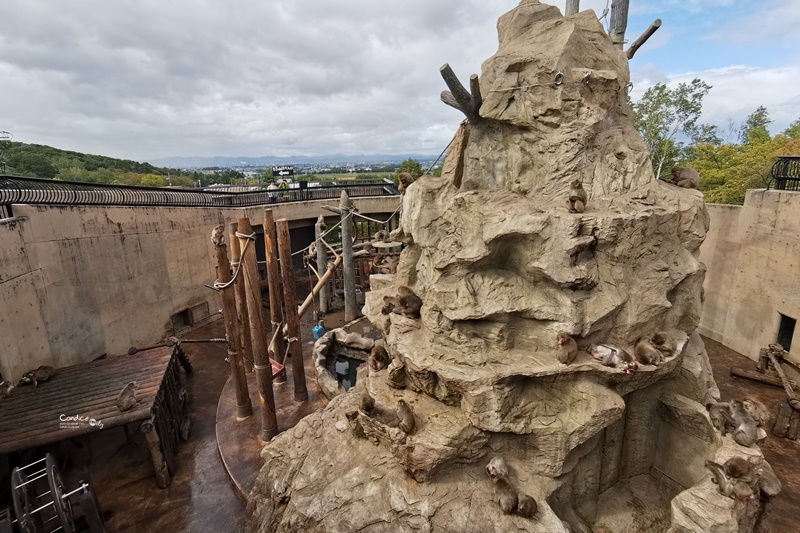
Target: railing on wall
(21,190)
(785,174)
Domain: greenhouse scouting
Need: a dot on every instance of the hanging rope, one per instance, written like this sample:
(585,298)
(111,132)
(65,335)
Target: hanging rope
(217,284)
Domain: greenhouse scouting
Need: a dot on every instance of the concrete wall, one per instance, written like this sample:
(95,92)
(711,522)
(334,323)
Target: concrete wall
(752,253)
(78,282)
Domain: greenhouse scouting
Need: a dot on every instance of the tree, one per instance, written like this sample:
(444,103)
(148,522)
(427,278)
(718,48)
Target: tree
(152,180)
(754,129)
(793,131)
(412,166)
(663,113)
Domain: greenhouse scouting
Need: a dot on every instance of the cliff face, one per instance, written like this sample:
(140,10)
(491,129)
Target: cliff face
(502,266)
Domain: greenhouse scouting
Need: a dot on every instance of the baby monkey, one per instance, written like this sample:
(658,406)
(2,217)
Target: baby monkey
(646,353)
(577,197)
(664,343)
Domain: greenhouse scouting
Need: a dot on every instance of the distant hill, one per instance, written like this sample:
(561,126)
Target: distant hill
(270,160)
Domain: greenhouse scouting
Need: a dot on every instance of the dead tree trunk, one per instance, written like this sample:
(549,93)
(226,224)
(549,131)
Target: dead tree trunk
(241,301)
(273,278)
(290,304)
(619,21)
(244,407)
(262,365)
(322,263)
(573,6)
(349,267)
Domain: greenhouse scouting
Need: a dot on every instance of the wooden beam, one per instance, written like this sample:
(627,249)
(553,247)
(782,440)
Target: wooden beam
(244,408)
(322,263)
(475,89)
(241,302)
(643,38)
(619,21)
(758,376)
(573,6)
(274,283)
(262,365)
(290,304)
(349,267)
(461,95)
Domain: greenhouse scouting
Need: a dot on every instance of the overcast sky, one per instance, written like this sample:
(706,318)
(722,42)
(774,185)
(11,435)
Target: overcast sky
(150,79)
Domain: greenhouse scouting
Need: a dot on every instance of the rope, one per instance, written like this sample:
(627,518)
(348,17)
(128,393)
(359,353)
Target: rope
(291,340)
(318,239)
(252,237)
(437,159)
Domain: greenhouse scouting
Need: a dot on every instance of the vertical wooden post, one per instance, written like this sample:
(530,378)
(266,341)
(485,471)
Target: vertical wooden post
(322,263)
(244,407)
(290,304)
(619,21)
(154,446)
(573,6)
(262,365)
(241,301)
(348,267)
(273,279)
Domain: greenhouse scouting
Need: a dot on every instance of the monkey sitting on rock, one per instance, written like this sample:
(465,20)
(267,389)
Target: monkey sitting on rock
(378,358)
(664,343)
(685,177)
(729,485)
(567,348)
(407,303)
(577,197)
(646,353)
(734,418)
(505,494)
(402,417)
(404,181)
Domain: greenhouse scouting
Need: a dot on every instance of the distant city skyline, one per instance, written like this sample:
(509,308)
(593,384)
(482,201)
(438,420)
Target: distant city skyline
(147,81)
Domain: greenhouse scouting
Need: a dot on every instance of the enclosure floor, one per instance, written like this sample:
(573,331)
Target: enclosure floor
(782,454)
(634,505)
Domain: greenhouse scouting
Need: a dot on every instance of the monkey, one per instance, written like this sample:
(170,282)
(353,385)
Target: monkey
(743,426)
(389,304)
(381,235)
(497,468)
(610,355)
(567,348)
(757,410)
(312,249)
(218,235)
(505,495)
(397,374)
(526,506)
(577,197)
(184,428)
(43,373)
(404,181)
(379,358)
(685,177)
(406,415)
(367,403)
(739,468)
(646,353)
(738,490)
(127,398)
(664,343)
(383,415)
(5,389)
(409,304)
(768,482)
(358,429)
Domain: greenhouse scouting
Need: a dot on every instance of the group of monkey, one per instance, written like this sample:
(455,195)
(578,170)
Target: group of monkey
(507,497)
(648,350)
(32,377)
(685,177)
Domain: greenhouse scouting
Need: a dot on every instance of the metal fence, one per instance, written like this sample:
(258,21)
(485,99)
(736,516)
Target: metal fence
(21,190)
(785,174)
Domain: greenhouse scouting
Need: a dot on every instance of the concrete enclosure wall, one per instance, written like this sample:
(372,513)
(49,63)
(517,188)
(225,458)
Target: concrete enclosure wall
(752,253)
(78,282)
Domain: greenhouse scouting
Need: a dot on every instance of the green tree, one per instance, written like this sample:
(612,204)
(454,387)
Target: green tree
(793,131)
(266,175)
(663,113)
(152,180)
(754,129)
(412,166)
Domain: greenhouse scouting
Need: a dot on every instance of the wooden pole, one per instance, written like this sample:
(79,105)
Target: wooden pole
(322,263)
(643,38)
(619,21)
(573,6)
(273,278)
(244,407)
(262,365)
(349,267)
(321,284)
(241,302)
(290,304)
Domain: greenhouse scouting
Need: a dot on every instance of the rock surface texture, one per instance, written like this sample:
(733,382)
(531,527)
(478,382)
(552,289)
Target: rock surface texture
(502,266)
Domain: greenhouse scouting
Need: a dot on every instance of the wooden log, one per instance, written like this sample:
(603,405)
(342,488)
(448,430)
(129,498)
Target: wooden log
(322,283)
(244,407)
(290,303)
(476,98)
(241,303)
(619,21)
(261,364)
(787,421)
(273,277)
(643,38)
(459,93)
(757,376)
(788,385)
(763,360)
(573,6)
(322,264)
(154,446)
(348,265)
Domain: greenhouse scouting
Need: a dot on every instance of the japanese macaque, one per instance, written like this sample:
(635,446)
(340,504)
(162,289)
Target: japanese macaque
(497,468)
(404,181)
(567,348)
(409,303)
(526,506)
(610,355)
(505,495)
(730,487)
(381,235)
(646,353)
(741,424)
(218,235)
(312,249)
(378,358)
(397,374)
(367,403)
(685,177)
(577,197)
(371,408)
(664,343)
(715,413)
(739,468)
(406,415)
(757,410)
(5,389)
(43,373)
(185,427)
(389,304)
(127,398)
